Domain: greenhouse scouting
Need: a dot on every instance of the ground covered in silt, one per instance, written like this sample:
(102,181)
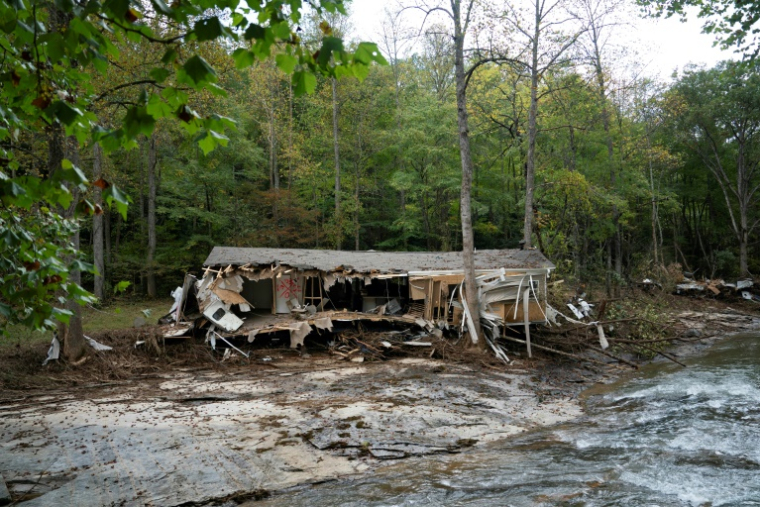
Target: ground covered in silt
(194,438)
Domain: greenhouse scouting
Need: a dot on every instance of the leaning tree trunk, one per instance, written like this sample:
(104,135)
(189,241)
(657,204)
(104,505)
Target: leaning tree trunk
(468,239)
(152,183)
(97,224)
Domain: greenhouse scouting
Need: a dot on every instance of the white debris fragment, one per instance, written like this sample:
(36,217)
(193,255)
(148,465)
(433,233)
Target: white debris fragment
(54,352)
(218,313)
(97,345)
(602,339)
(576,312)
(585,308)
(177,295)
(323,323)
(298,333)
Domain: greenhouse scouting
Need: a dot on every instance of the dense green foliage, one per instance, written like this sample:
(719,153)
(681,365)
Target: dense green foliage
(245,156)
(400,174)
(77,73)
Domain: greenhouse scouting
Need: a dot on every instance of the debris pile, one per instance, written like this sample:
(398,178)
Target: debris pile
(638,330)
(717,288)
(250,295)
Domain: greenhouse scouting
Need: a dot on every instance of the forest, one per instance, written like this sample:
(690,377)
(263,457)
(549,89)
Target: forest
(613,176)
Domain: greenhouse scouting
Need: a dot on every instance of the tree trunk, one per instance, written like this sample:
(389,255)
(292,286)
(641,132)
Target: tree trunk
(152,184)
(97,225)
(468,239)
(107,224)
(290,135)
(530,166)
(71,335)
(357,203)
(357,226)
(337,161)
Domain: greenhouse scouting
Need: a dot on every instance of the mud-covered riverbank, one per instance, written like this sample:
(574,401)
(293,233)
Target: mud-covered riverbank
(201,437)
(198,436)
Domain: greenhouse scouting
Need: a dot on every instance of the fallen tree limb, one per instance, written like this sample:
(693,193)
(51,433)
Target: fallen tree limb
(663,354)
(616,358)
(554,351)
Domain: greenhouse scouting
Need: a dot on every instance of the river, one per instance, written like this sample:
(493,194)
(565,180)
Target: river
(666,436)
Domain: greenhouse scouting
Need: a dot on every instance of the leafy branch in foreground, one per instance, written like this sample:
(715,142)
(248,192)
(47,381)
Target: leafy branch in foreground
(50,50)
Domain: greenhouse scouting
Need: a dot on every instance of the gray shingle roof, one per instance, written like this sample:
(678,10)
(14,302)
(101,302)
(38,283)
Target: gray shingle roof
(368,261)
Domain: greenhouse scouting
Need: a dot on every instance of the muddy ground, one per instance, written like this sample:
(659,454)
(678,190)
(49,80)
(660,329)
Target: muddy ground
(140,427)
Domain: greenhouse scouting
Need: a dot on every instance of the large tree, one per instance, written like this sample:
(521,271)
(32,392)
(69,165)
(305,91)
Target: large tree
(719,121)
(49,50)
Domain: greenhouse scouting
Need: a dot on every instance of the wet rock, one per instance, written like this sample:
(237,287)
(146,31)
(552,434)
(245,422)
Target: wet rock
(693,333)
(5,496)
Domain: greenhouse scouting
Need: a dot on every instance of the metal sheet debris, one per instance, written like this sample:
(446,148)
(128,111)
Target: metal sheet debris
(221,315)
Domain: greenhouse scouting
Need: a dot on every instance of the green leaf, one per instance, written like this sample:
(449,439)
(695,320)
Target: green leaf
(303,83)
(286,63)
(137,121)
(243,58)
(199,70)
(170,56)
(64,112)
(330,45)
(367,52)
(161,7)
(210,140)
(114,197)
(255,31)
(121,287)
(281,30)
(157,108)
(208,29)
(61,315)
(69,173)
(159,74)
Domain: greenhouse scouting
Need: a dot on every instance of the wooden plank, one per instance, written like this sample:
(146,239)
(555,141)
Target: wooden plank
(535,313)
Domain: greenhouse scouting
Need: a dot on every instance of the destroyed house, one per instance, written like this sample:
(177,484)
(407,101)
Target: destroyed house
(251,291)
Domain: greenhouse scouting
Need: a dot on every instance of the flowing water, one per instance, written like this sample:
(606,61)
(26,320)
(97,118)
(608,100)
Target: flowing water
(668,436)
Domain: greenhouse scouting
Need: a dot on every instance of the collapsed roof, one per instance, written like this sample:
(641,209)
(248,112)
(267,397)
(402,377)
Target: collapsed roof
(373,261)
